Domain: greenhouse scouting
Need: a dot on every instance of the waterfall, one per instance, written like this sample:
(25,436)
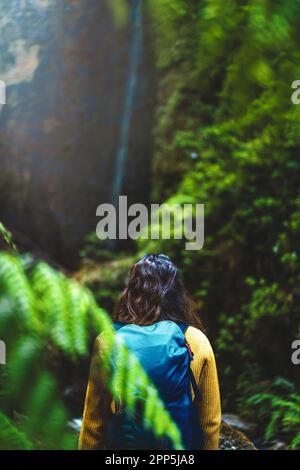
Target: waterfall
(135,48)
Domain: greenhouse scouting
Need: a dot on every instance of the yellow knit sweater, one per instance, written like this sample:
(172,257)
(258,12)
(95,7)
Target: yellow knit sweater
(98,402)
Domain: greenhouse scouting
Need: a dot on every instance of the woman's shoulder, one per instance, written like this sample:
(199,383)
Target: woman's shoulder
(196,334)
(198,342)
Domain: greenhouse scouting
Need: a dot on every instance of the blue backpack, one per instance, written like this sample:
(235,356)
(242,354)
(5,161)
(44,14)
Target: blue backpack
(165,356)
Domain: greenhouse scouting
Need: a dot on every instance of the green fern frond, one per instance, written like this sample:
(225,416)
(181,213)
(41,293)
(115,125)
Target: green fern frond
(25,356)
(15,285)
(273,425)
(281,406)
(52,305)
(295,444)
(7,237)
(79,320)
(11,438)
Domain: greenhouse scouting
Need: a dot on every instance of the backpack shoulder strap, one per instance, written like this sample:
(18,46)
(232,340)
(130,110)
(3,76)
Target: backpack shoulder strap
(183,327)
(195,386)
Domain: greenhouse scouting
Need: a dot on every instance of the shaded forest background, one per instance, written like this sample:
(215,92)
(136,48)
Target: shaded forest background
(227,135)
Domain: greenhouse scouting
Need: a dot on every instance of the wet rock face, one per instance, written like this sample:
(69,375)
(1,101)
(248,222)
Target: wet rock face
(65,65)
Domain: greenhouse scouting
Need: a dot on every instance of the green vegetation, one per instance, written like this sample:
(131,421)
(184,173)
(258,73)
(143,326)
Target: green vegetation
(227,135)
(7,238)
(280,408)
(43,315)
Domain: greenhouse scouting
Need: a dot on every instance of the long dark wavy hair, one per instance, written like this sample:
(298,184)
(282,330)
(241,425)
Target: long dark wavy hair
(155,292)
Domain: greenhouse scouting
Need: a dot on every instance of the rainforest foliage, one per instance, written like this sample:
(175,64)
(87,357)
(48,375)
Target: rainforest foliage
(227,135)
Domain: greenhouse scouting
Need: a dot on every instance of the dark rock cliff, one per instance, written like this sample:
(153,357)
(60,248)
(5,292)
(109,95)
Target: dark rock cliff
(66,66)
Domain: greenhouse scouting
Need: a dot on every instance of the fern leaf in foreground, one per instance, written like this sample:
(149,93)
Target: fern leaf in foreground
(11,438)
(53,309)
